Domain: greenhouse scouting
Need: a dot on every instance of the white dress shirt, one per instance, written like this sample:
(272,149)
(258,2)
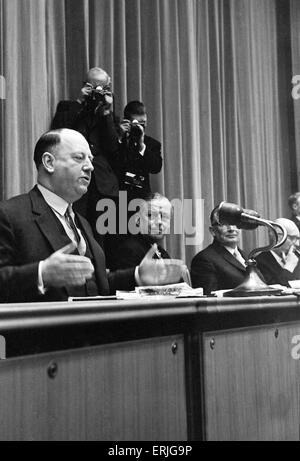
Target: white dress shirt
(236,254)
(59,207)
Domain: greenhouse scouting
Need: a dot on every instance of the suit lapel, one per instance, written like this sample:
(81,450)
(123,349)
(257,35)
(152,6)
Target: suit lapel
(48,223)
(98,256)
(229,257)
(232,260)
(55,234)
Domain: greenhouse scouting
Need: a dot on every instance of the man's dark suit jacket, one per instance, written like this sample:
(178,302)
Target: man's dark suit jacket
(99,130)
(214,268)
(30,232)
(273,272)
(128,251)
(131,161)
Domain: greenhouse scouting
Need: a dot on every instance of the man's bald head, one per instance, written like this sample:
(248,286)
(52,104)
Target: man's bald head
(98,77)
(64,163)
(50,140)
(46,143)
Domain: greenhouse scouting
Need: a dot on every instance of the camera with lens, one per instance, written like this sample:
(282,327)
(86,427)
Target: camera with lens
(97,96)
(133,181)
(136,130)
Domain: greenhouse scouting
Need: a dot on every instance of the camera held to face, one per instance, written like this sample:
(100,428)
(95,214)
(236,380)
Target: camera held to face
(136,130)
(98,96)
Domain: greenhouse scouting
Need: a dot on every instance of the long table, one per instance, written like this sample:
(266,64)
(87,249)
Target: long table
(151,369)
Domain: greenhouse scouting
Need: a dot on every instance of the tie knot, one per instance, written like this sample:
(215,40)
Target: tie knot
(239,257)
(69,210)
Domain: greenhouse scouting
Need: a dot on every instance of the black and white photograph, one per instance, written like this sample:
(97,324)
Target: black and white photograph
(149,223)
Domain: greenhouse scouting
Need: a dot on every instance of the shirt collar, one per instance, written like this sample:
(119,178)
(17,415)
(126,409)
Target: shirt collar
(230,249)
(56,202)
(277,257)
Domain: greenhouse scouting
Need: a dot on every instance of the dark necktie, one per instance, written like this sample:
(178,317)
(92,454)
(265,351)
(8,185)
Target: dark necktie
(79,240)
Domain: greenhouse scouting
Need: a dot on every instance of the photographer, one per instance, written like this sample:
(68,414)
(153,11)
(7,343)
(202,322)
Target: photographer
(91,115)
(140,154)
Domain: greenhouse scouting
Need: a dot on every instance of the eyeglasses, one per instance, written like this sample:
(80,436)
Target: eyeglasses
(223,225)
(104,88)
(292,238)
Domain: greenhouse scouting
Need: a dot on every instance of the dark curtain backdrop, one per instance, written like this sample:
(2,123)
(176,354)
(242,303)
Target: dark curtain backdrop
(215,76)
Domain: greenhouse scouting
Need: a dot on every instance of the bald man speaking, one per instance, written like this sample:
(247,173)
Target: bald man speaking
(47,251)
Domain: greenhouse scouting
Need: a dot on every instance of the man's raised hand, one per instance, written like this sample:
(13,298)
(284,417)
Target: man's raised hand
(65,269)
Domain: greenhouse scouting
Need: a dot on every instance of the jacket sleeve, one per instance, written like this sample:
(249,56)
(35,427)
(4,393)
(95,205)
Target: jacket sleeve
(123,255)
(65,116)
(108,138)
(152,157)
(274,275)
(17,281)
(204,275)
(122,279)
(150,162)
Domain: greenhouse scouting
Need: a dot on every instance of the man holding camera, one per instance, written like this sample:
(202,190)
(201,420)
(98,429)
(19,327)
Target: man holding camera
(140,154)
(91,115)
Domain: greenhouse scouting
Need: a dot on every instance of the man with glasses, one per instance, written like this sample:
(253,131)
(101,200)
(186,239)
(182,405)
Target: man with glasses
(294,204)
(221,265)
(282,264)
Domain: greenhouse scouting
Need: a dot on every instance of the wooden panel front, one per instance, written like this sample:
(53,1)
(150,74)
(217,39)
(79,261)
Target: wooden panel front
(251,384)
(124,391)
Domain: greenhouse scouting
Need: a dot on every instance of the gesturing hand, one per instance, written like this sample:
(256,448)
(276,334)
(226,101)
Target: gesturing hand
(64,269)
(160,271)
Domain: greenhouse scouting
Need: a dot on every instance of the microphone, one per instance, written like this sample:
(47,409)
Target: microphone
(230,213)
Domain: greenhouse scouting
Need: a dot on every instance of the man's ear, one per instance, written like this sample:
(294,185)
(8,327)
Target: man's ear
(212,231)
(48,162)
(294,206)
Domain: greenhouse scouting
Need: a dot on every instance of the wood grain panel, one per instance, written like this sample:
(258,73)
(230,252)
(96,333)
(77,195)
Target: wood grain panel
(124,391)
(251,384)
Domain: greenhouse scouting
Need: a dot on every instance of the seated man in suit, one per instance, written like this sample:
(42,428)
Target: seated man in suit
(91,115)
(294,204)
(39,230)
(221,265)
(152,222)
(281,264)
